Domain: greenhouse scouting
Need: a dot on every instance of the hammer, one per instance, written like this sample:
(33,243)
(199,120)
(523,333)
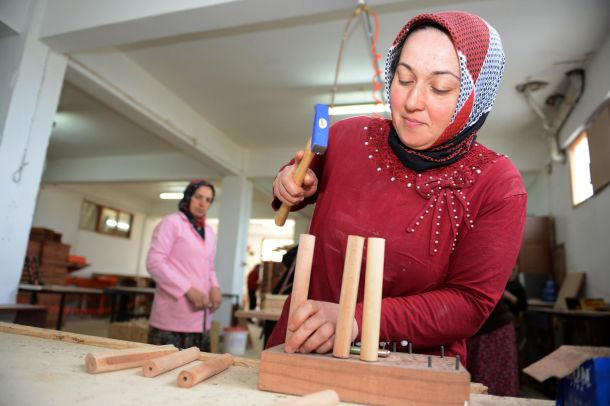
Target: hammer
(315,145)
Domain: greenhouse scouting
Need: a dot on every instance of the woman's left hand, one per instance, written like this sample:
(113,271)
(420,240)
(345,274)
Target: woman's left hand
(215,298)
(313,326)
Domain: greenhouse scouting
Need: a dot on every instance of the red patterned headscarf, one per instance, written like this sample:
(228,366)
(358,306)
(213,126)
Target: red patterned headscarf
(481,60)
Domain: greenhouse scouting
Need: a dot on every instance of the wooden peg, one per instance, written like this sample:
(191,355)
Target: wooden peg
(302,273)
(106,361)
(323,398)
(349,294)
(204,370)
(372,299)
(168,362)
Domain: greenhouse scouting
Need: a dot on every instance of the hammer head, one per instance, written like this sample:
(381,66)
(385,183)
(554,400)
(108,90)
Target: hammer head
(321,124)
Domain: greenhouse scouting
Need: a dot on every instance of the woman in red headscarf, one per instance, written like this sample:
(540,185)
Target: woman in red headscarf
(451,211)
(181,261)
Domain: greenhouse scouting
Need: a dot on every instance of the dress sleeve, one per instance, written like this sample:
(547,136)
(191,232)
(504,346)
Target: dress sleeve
(157,262)
(477,275)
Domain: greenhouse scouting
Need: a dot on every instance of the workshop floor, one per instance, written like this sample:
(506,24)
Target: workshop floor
(99,327)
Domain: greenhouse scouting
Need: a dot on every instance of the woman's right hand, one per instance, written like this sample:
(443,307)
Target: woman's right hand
(287,191)
(199,299)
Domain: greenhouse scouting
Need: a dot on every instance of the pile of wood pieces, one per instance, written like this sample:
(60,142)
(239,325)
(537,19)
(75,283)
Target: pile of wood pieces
(157,360)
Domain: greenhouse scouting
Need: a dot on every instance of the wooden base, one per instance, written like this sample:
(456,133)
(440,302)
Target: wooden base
(400,379)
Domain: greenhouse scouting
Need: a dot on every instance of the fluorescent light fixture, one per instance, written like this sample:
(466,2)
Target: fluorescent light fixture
(171,196)
(350,109)
(122,226)
(111,223)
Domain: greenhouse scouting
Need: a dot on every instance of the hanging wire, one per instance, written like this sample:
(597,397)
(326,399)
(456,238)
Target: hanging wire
(373,36)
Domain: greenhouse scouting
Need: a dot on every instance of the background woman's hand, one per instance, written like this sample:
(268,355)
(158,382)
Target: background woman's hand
(197,298)
(215,298)
(287,191)
(313,326)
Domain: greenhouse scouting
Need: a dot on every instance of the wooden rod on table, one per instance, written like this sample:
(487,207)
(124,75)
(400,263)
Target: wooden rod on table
(372,299)
(326,397)
(349,294)
(106,361)
(168,362)
(204,370)
(302,274)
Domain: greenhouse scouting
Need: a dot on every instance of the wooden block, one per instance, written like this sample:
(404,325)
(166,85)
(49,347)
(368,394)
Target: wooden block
(400,379)
(107,361)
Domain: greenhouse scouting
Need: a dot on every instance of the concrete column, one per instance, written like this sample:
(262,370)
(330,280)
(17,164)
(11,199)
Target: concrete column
(235,207)
(34,84)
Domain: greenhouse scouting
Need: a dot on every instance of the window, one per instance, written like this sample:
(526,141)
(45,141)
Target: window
(105,220)
(582,189)
(589,163)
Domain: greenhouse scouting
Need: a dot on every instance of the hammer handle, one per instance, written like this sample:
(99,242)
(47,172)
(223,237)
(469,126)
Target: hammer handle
(299,175)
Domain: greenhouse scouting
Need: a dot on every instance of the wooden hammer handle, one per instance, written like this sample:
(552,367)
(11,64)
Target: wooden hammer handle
(299,175)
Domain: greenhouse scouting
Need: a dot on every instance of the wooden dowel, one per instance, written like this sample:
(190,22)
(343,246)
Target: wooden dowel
(373,284)
(203,371)
(302,273)
(168,362)
(107,361)
(323,398)
(349,295)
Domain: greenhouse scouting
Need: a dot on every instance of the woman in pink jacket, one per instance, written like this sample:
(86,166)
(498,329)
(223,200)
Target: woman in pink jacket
(181,261)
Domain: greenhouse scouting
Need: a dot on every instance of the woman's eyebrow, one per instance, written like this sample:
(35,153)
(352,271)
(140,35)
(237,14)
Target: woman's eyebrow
(436,72)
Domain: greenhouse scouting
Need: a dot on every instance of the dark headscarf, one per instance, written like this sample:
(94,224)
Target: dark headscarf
(481,60)
(185,204)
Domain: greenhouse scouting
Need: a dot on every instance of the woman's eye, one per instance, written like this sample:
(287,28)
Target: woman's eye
(405,82)
(440,91)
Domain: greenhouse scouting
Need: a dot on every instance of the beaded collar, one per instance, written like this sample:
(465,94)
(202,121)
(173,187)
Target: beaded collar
(444,189)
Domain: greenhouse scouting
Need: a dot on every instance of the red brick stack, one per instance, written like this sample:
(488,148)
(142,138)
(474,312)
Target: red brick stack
(52,255)
(47,264)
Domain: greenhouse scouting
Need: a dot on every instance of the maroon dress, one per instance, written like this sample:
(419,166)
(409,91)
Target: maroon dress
(452,234)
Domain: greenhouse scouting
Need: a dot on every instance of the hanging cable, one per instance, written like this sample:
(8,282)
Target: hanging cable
(373,37)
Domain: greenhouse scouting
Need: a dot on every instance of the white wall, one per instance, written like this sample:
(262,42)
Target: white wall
(586,228)
(59,209)
(537,186)
(108,254)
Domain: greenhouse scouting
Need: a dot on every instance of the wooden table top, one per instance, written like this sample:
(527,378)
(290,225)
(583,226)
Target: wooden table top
(44,367)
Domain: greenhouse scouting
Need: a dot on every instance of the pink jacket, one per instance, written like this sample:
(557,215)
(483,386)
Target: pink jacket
(178,259)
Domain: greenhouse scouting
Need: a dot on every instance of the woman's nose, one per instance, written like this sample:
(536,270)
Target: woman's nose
(414,99)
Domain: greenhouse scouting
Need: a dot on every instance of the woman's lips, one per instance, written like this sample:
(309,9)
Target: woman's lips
(410,122)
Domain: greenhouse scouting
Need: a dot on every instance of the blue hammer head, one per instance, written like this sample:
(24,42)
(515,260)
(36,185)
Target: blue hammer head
(321,124)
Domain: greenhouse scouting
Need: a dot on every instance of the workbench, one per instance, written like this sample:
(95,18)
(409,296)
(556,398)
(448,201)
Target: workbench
(46,367)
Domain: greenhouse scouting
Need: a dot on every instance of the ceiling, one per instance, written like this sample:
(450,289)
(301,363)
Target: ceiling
(257,83)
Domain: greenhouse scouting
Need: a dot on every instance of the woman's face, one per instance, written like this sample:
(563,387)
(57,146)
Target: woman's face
(201,201)
(425,88)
